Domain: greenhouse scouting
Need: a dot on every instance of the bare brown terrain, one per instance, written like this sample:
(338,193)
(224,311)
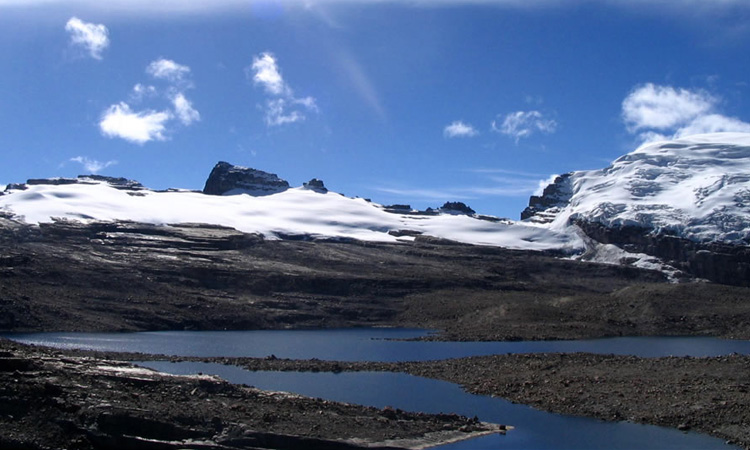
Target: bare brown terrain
(131,277)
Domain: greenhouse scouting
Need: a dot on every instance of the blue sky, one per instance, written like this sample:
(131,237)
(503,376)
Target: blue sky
(417,102)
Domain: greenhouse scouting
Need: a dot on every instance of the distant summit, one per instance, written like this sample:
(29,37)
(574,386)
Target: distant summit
(228,179)
(315,185)
(686,202)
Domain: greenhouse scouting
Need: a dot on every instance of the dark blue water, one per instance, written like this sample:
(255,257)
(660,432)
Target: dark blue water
(366,344)
(534,429)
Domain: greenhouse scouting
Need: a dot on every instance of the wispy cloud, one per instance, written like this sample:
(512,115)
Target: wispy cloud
(459,129)
(141,91)
(166,69)
(522,124)
(91,37)
(282,106)
(266,73)
(184,109)
(150,124)
(494,183)
(655,112)
(92,165)
(137,127)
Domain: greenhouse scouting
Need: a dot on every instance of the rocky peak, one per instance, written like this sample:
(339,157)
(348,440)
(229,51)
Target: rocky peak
(228,179)
(315,185)
(555,197)
(456,208)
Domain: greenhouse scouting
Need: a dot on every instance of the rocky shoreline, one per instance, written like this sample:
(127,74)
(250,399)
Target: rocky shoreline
(709,395)
(51,398)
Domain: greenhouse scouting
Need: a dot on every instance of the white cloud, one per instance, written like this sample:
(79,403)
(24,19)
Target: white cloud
(522,124)
(659,113)
(282,107)
(92,165)
(663,107)
(147,125)
(184,110)
(138,127)
(713,123)
(92,37)
(267,74)
(459,129)
(166,69)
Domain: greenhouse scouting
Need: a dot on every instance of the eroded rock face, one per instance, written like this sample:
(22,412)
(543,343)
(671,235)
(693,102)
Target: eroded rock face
(555,197)
(228,179)
(715,261)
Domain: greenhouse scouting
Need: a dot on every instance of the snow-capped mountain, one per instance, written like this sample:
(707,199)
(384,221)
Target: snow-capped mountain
(696,188)
(685,202)
(259,202)
(682,205)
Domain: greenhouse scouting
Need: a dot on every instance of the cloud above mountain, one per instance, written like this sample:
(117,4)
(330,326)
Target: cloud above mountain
(281,105)
(656,112)
(522,124)
(151,124)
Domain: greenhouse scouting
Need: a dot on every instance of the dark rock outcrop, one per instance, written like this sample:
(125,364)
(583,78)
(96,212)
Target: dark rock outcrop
(52,181)
(227,179)
(398,209)
(315,185)
(714,261)
(456,208)
(115,182)
(544,208)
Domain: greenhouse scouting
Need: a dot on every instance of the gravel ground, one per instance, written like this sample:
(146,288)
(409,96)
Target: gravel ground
(51,399)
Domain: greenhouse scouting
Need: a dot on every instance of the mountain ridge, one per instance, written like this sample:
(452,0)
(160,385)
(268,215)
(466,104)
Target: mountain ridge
(682,207)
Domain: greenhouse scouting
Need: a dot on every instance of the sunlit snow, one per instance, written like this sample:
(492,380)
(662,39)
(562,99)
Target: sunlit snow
(696,187)
(296,211)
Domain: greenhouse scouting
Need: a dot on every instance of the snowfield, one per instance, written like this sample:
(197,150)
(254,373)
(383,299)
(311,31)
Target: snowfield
(696,187)
(295,211)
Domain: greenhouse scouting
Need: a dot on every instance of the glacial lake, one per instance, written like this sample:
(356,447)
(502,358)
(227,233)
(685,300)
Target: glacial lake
(534,429)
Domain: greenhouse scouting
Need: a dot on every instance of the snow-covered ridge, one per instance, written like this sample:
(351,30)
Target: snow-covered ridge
(696,188)
(292,212)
